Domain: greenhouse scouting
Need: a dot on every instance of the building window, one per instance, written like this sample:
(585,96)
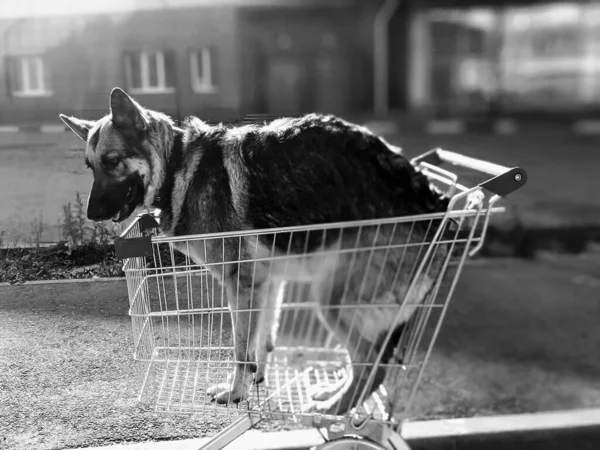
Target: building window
(203,65)
(28,77)
(150,72)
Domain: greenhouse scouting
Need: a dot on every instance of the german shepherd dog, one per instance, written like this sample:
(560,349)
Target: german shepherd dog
(314,169)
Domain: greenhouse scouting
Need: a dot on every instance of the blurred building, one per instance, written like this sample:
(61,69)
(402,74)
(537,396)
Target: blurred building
(528,58)
(222,59)
(210,58)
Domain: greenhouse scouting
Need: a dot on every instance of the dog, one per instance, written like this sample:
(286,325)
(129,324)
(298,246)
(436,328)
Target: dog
(314,169)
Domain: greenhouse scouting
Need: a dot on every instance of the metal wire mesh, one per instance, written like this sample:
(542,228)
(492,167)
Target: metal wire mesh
(328,353)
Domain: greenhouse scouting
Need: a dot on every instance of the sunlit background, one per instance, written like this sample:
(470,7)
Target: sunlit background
(194,56)
(515,82)
(410,67)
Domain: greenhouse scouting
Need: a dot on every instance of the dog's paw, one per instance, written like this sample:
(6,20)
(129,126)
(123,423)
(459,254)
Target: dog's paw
(269,345)
(261,369)
(336,409)
(475,199)
(326,393)
(217,389)
(335,404)
(259,376)
(223,393)
(322,395)
(230,397)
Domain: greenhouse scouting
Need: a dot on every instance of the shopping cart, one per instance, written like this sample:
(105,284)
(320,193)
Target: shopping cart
(182,326)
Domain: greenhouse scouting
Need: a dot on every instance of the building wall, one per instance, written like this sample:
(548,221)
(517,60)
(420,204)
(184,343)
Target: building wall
(45,38)
(399,54)
(328,46)
(528,61)
(87,61)
(189,30)
(327,52)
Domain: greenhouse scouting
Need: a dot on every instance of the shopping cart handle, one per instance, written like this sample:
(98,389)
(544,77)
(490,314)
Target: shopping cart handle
(505,181)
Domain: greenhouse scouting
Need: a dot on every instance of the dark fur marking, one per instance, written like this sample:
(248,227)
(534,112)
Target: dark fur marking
(176,160)
(388,352)
(134,147)
(390,348)
(209,194)
(309,170)
(319,169)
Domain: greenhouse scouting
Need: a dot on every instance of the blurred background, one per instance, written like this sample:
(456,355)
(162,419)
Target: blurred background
(514,82)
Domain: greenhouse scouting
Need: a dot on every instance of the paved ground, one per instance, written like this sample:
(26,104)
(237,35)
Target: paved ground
(518,337)
(39,173)
(562,171)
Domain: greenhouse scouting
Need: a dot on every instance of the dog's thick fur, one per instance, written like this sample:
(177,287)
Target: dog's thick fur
(310,170)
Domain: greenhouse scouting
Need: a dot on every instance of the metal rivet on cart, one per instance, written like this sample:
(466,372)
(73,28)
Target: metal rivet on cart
(518,177)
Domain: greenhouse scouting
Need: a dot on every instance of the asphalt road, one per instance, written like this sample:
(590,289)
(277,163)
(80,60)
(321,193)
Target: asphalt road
(518,337)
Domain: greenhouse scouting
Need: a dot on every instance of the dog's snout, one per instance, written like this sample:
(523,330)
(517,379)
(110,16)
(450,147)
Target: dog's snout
(96,204)
(95,210)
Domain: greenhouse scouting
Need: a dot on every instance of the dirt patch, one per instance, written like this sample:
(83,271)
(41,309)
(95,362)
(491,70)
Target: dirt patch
(57,262)
(18,265)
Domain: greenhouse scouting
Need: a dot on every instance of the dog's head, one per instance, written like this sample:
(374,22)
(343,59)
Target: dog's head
(126,151)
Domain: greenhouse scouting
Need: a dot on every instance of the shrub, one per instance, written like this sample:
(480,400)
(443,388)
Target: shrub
(77,231)
(101,235)
(37,229)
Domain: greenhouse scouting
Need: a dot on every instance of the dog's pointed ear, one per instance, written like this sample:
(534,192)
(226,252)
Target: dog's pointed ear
(80,127)
(126,113)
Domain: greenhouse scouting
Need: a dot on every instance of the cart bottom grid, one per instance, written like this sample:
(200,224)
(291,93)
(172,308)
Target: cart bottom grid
(294,375)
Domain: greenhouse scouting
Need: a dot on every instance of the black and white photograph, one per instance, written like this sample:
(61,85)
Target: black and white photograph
(299,224)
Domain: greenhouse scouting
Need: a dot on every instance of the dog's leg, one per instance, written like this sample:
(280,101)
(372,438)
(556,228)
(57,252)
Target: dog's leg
(364,347)
(370,300)
(244,288)
(269,325)
(365,353)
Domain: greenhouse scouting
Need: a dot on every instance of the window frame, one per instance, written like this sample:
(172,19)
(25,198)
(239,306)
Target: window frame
(203,83)
(25,62)
(144,64)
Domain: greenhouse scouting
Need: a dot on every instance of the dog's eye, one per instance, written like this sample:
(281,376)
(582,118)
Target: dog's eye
(110,163)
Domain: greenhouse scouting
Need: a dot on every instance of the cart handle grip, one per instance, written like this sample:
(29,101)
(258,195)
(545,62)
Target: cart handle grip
(505,180)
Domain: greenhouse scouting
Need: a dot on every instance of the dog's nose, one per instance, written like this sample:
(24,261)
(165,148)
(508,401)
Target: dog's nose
(95,211)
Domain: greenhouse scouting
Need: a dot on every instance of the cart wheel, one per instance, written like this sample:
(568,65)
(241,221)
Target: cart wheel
(349,443)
